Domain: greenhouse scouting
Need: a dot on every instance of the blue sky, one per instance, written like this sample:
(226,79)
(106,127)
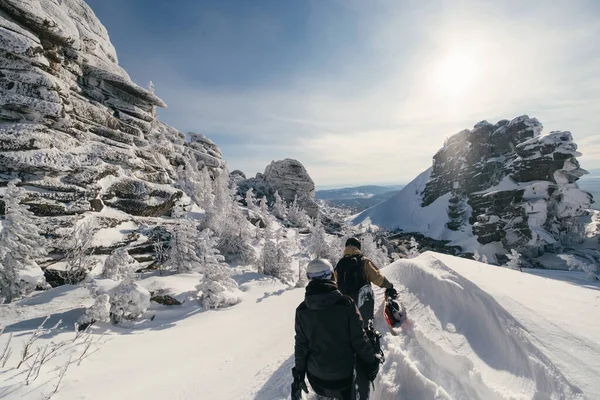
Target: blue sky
(360,91)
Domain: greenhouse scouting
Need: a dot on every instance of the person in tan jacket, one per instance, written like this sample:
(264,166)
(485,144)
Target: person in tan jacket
(354,271)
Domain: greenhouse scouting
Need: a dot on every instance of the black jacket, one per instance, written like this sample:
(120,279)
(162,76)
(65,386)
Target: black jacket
(329,332)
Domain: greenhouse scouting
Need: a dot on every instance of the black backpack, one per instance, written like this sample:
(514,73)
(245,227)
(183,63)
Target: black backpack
(351,275)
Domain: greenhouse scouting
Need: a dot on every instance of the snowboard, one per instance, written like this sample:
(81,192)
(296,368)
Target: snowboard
(394,314)
(366,304)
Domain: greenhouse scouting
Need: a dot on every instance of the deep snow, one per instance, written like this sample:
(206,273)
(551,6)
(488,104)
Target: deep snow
(474,332)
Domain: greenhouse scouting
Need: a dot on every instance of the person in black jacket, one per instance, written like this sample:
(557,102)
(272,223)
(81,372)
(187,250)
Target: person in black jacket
(329,338)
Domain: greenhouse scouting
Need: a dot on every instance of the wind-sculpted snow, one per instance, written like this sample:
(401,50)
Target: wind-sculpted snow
(505,185)
(469,336)
(74,127)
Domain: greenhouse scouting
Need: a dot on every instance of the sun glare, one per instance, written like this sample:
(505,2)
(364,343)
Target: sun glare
(455,74)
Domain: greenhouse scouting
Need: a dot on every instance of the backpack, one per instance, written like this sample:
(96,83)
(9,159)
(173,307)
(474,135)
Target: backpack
(351,275)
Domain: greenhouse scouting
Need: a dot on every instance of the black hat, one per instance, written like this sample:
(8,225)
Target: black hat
(353,242)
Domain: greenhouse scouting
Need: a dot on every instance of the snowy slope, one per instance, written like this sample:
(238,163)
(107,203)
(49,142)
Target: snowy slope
(474,332)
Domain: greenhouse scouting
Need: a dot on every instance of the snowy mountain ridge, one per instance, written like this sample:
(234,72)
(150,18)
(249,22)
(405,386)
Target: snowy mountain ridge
(495,188)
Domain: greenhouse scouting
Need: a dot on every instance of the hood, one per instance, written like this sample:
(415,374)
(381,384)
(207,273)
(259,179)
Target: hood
(321,294)
(351,251)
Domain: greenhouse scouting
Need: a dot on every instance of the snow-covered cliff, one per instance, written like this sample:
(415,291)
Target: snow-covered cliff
(73,126)
(498,187)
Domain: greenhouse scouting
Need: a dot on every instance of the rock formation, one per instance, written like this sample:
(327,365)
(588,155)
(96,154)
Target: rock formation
(74,127)
(502,183)
(290,179)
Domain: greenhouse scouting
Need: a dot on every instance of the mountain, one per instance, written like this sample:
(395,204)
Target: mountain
(495,188)
(358,192)
(75,130)
(355,205)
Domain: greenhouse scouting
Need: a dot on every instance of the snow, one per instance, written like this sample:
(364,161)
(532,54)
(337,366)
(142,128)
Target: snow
(474,332)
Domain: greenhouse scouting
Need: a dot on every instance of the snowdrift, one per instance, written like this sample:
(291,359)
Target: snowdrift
(482,332)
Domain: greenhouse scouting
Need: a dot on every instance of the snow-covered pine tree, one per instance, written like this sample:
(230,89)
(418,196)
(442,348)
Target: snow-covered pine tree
(20,246)
(274,259)
(514,260)
(182,249)
(226,220)
(413,248)
(581,263)
(318,245)
(208,198)
(476,256)
(484,259)
(302,278)
(98,312)
(191,181)
(297,216)
(217,287)
(373,252)
(263,206)
(78,252)
(120,266)
(251,201)
(129,301)
(280,209)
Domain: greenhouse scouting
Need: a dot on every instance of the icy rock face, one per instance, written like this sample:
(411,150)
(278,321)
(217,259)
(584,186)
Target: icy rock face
(73,126)
(511,185)
(290,179)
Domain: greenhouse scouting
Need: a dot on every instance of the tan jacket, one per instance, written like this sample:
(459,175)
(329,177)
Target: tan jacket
(371,271)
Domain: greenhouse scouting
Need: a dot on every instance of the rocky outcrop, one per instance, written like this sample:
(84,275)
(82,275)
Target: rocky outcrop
(73,126)
(290,179)
(503,183)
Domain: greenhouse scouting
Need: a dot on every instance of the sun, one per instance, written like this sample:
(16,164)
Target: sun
(455,74)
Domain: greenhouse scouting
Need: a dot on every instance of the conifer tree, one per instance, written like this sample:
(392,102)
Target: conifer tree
(280,209)
(120,266)
(20,246)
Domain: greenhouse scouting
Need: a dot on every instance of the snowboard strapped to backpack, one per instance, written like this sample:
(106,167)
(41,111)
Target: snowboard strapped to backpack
(350,274)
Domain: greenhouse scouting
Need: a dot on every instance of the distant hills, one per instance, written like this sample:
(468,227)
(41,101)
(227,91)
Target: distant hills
(358,198)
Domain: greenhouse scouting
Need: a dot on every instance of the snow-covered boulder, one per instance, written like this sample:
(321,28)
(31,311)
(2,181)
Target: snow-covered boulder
(74,127)
(503,186)
(287,177)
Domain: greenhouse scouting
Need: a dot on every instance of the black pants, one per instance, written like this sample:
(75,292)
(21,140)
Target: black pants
(338,389)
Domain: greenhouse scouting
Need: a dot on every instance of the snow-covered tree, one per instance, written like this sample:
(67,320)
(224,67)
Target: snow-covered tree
(274,257)
(206,182)
(373,252)
(318,245)
(192,181)
(302,278)
(413,248)
(476,256)
(263,206)
(514,260)
(129,301)
(226,220)
(297,216)
(151,86)
(182,255)
(20,246)
(581,263)
(98,312)
(217,287)
(280,209)
(120,266)
(484,259)
(251,201)
(78,252)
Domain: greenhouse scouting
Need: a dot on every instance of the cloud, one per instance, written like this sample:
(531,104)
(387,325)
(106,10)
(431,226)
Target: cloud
(373,109)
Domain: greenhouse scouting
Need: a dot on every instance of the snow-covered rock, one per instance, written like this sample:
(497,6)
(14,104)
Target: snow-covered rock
(499,186)
(74,127)
(287,177)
